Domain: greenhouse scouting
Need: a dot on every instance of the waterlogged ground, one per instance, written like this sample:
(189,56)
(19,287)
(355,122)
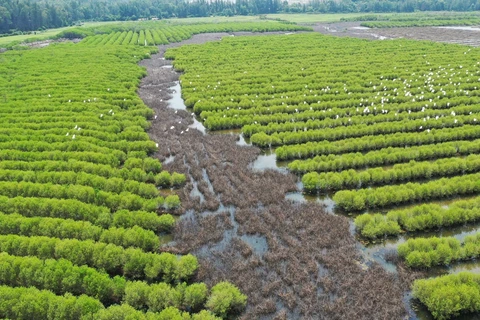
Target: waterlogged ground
(459,35)
(247,221)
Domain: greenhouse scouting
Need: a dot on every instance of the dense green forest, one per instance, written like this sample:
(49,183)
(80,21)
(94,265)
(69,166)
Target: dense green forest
(29,15)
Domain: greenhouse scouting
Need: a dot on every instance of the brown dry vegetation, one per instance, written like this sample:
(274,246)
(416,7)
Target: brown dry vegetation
(312,269)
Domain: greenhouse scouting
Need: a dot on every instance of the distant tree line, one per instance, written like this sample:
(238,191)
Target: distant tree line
(30,15)
(334,6)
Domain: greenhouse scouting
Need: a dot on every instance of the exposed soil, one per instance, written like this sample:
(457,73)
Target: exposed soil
(293,260)
(439,34)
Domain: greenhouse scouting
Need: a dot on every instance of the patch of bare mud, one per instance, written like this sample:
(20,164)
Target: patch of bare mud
(463,35)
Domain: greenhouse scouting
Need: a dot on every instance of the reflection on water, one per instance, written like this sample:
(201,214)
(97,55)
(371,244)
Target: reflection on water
(325,200)
(166,239)
(169,159)
(241,140)
(264,162)
(257,243)
(176,102)
(361,28)
(195,193)
(268,160)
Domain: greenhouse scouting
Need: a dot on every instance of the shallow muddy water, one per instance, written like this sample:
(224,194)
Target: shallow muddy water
(466,35)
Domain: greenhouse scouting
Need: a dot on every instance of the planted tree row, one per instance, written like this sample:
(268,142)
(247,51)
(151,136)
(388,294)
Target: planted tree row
(163,34)
(78,196)
(429,252)
(372,142)
(130,171)
(421,23)
(31,303)
(61,276)
(450,295)
(341,133)
(350,179)
(418,218)
(386,156)
(382,123)
(131,263)
(272,105)
(406,193)
(68,229)
(79,211)
(349,104)
(124,200)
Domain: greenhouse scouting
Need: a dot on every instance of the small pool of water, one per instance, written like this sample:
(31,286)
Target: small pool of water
(268,160)
(265,162)
(169,159)
(464,28)
(176,102)
(241,141)
(258,244)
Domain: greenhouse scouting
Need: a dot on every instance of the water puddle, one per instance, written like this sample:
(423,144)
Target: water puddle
(176,102)
(221,209)
(379,37)
(195,193)
(166,239)
(241,141)
(268,161)
(379,257)
(464,28)
(169,159)
(258,244)
(361,28)
(471,266)
(167,66)
(207,180)
(198,125)
(324,199)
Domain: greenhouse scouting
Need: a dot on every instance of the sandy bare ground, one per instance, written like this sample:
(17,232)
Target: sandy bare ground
(292,260)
